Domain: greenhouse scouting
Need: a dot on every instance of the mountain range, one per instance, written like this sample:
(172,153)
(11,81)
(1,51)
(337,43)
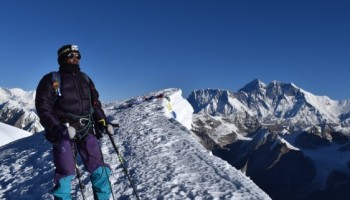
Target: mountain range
(291,143)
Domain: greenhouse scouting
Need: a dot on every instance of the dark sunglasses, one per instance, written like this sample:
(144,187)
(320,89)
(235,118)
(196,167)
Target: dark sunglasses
(72,55)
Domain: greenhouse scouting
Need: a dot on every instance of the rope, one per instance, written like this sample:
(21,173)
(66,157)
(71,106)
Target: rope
(82,132)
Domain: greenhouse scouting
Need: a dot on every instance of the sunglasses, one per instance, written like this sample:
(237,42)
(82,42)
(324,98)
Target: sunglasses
(72,55)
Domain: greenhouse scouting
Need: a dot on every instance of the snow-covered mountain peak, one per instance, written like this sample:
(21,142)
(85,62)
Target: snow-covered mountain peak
(17,95)
(18,109)
(253,86)
(257,87)
(277,88)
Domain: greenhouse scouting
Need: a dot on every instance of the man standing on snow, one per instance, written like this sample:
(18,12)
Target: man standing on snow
(68,106)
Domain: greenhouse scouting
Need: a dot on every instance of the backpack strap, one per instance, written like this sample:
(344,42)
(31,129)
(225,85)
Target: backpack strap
(56,82)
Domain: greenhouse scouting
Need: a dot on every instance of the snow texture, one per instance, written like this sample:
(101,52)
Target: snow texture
(9,133)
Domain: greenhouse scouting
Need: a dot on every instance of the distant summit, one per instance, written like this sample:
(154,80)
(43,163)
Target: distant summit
(253,86)
(275,103)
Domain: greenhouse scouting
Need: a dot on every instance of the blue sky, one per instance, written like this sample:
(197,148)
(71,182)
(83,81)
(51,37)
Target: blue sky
(132,47)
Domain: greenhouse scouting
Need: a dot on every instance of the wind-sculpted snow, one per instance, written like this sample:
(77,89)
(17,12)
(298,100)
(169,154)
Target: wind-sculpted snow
(163,159)
(26,169)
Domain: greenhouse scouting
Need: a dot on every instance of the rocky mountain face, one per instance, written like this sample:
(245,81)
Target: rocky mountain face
(17,109)
(293,144)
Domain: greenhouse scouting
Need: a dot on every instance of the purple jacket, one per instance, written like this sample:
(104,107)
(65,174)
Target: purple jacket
(79,97)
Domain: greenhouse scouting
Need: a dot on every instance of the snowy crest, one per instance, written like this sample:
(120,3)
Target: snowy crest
(175,106)
(9,134)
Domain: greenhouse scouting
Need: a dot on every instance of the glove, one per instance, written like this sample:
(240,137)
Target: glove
(67,133)
(61,133)
(71,132)
(103,128)
(110,129)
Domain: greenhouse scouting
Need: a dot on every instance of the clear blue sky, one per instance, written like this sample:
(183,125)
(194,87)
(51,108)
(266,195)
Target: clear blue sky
(132,47)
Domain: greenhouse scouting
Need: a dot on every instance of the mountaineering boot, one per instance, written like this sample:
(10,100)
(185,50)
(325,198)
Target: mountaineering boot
(100,183)
(63,188)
